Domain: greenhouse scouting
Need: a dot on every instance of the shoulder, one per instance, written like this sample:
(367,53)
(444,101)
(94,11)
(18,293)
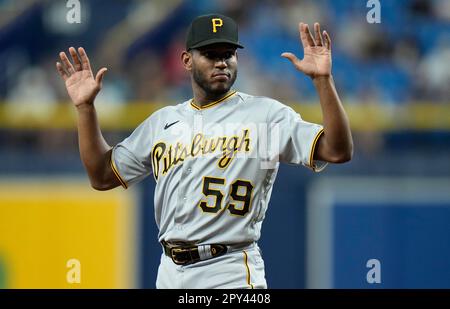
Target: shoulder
(262,103)
(163,113)
(249,98)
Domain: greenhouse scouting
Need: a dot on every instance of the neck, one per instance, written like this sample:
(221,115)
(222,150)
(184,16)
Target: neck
(202,98)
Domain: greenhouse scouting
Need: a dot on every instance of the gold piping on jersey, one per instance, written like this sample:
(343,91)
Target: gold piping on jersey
(248,269)
(212,103)
(313,149)
(116,172)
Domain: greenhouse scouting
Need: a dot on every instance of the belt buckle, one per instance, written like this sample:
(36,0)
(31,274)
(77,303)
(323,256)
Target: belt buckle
(173,252)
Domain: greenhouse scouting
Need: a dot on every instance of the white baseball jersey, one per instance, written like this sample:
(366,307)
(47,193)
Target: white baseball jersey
(215,165)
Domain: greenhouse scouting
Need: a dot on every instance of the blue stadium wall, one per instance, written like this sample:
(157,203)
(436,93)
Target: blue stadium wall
(403,222)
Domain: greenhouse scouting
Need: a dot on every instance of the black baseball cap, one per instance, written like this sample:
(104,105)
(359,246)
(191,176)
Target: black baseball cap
(211,29)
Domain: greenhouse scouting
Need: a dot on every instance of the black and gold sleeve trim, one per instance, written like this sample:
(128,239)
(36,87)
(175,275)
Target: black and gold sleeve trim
(212,103)
(313,149)
(116,172)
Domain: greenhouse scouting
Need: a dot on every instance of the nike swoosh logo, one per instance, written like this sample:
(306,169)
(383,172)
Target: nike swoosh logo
(169,125)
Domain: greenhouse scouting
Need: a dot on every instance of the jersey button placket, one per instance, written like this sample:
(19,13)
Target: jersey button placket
(185,181)
(182,207)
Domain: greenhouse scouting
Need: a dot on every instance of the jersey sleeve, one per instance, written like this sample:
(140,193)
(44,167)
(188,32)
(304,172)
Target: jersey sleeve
(297,139)
(130,159)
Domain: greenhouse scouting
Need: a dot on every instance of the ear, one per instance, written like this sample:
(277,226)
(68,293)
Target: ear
(186,58)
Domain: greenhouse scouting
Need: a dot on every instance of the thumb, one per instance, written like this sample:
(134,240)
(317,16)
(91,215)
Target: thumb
(100,75)
(293,58)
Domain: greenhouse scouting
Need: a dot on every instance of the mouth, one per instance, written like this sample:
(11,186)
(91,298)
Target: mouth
(221,76)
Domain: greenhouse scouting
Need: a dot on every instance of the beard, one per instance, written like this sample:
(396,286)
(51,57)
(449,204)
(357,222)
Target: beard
(213,89)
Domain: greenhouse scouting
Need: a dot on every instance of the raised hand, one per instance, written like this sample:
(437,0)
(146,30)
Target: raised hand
(81,85)
(317,52)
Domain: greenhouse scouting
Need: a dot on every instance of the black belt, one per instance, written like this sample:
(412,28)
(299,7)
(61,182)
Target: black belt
(189,254)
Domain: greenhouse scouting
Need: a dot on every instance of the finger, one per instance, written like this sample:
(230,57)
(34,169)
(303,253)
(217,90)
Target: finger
(84,59)
(61,71)
(327,40)
(76,60)
(100,74)
(303,37)
(309,36)
(318,36)
(65,61)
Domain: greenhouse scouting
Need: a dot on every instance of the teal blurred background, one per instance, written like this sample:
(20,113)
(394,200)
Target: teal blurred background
(390,203)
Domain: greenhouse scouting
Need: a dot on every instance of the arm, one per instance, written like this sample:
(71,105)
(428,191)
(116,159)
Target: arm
(82,89)
(336,144)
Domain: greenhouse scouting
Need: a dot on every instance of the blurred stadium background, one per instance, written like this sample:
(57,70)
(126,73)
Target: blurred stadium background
(391,203)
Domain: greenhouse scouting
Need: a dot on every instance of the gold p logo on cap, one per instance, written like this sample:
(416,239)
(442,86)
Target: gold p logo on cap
(216,22)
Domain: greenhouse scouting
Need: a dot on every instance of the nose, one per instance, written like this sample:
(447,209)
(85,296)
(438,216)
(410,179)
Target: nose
(221,63)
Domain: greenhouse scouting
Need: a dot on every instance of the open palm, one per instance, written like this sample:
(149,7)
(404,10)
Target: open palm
(317,52)
(81,85)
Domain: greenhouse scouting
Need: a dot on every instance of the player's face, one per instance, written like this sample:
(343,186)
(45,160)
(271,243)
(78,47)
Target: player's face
(214,68)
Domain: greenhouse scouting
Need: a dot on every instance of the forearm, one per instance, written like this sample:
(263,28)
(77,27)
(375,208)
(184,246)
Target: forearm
(94,151)
(337,143)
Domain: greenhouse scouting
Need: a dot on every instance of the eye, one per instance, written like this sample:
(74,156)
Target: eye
(215,55)
(228,55)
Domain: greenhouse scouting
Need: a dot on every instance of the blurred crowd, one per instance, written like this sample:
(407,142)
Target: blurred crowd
(404,58)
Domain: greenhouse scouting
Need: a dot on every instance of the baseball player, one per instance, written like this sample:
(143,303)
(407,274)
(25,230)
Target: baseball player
(214,157)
